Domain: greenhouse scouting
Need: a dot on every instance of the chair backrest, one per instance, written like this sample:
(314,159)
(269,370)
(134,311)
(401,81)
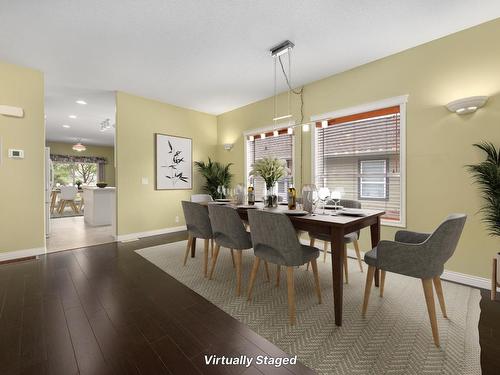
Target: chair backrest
(201,198)
(68,193)
(228,228)
(442,243)
(347,203)
(197,220)
(274,235)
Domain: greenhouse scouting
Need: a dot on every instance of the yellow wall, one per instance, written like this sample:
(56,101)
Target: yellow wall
(22,181)
(100,151)
(438,142)
(140,207)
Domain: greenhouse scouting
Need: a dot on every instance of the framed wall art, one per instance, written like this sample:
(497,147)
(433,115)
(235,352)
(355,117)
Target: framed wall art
(174,162)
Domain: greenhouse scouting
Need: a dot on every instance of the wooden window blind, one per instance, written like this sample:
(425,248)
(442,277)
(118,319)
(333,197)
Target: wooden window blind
(281,147)
(360,155)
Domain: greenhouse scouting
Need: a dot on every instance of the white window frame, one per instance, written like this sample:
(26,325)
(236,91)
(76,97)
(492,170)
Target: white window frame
(267,129)
(400,101)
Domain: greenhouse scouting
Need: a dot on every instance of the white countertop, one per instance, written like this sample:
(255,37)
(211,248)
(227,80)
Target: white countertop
(107,188)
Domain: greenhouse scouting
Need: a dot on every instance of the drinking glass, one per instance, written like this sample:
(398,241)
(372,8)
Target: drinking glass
(324,194)
(336,196)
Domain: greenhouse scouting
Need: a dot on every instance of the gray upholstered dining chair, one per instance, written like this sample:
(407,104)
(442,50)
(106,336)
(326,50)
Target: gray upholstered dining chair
(229,231)
(275,240)
(348,238)
(419,255)
(201,198)
(198,226)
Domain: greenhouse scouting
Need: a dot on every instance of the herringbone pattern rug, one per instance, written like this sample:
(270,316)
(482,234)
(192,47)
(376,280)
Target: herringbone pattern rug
(395,337)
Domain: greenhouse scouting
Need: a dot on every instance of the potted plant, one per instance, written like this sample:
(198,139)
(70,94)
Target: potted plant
(217,177)
(486,174)
(78,183)
(271,170)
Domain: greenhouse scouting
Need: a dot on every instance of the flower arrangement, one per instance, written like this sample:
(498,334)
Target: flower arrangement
(271,169)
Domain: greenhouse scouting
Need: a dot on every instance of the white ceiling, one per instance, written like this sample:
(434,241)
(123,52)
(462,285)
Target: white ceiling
(213,55)
(60,103)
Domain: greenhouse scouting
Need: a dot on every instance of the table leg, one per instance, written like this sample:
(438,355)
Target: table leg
(193,247)
(337,246)
(375,234)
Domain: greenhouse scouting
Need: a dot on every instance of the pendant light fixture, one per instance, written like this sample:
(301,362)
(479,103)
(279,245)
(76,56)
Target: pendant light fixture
(79,147)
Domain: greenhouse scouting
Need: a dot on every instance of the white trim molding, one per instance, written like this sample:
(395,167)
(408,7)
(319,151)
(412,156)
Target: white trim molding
(9,255)
(400,101)
(156,232)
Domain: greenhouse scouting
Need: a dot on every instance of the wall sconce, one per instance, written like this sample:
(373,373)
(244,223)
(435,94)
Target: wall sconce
(228,146)
(8,110)
(466,105)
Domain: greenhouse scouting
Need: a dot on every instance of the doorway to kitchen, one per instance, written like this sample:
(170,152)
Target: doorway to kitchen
(80,192)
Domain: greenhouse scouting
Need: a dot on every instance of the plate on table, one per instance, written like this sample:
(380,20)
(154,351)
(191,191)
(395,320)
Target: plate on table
(353,212)
(223,200)
(247,206)
(295,212)
(332,207)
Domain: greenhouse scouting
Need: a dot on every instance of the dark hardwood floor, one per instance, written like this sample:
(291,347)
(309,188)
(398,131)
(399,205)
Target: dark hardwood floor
(106,310)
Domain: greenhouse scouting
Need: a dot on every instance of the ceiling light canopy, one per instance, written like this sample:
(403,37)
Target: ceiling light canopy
(79,147)
(467,105)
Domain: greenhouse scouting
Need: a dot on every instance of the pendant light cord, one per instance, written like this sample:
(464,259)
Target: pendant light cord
(299,92)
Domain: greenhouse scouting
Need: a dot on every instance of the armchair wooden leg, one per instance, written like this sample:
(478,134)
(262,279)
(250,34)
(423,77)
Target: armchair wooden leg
(358,254)
(278,274)
(74,207)
(214,261)
(439,292)
(368,287)
(188,248)
(232,258)
(311,243)
(212,248)
(266,267)
(291,294)
(253,274)
(346,271)
(238,272)
(382,282)
(431,308)
(494,271)
(205,257)
(325,251)
(314,265)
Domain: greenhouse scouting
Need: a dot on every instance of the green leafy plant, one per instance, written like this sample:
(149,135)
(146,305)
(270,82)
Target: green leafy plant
(215,174)
(271,170)
(487,175)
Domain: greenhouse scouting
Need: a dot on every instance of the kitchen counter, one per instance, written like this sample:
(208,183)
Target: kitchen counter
(100,205)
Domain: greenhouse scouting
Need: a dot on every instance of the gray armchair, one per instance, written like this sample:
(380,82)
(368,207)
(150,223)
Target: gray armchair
(275,241)
(419,255)
(348,238)
(198,226)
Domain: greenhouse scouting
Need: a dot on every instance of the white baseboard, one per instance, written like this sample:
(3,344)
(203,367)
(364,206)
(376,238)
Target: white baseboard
(9,255)
(156,232)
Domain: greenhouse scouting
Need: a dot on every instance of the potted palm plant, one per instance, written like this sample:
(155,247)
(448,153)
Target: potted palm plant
(486,174)
(217,177)
(271,170)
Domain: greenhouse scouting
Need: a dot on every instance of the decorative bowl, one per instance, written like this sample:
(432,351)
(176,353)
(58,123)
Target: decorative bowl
(101,185)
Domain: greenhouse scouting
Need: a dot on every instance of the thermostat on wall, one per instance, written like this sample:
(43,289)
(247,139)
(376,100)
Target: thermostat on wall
(16,154)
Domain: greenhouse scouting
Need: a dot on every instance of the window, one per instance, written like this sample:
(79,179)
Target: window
(360,155)
(280,146)
(373,179)
(67,174)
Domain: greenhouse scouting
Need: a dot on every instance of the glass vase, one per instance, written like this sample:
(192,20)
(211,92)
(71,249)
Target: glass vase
(271,197)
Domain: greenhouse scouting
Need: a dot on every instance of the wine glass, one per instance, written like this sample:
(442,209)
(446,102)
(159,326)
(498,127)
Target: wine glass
(336,196)
(324,194)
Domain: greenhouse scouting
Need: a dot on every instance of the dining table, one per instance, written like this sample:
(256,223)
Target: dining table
(336,225)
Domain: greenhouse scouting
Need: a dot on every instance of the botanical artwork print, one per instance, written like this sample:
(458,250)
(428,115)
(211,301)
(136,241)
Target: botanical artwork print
(173,162)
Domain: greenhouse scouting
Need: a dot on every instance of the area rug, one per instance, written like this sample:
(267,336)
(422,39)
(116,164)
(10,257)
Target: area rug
(394,338)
